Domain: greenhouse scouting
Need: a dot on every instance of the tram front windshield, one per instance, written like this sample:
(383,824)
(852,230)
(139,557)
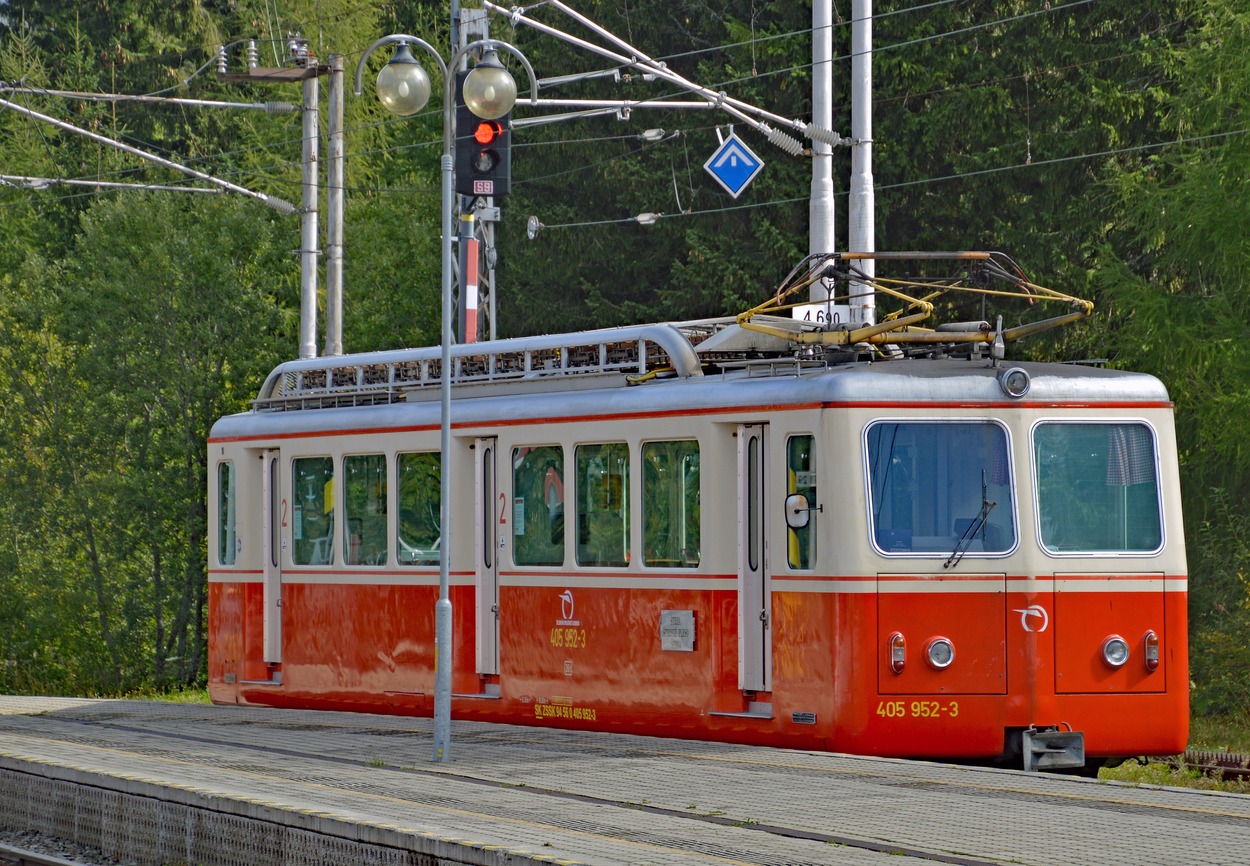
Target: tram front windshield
(937,487)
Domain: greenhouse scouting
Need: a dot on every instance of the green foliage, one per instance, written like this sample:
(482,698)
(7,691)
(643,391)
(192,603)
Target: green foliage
(176,695)
(1228,732)
(1177,259)
(594,266)
(120,359)
(1220,607)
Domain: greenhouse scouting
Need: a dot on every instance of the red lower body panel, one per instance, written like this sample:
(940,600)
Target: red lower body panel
(595,658)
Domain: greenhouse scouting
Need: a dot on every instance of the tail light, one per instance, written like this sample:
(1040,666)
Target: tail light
(1115,651)
(1150,649)
(898,652)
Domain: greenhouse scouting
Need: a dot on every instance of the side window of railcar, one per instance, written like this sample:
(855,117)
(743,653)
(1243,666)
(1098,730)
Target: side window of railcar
(312,510)
(670,504)
(538,505)
(801,478)
(1097,487)
(226,531)
(935,487)
(603,504)
(364,503)
(418,479)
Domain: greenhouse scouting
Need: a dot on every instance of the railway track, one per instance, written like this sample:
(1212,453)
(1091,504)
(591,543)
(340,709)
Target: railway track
(1229,766)
(13,856)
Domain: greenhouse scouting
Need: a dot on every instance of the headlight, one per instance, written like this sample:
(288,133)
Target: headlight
(1115,651)
(1014,382)
(940,652)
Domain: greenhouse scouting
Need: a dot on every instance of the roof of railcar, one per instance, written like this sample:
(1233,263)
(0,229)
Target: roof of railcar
(898,383)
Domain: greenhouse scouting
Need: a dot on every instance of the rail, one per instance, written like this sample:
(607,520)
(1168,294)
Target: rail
(1229,766)
(11,855)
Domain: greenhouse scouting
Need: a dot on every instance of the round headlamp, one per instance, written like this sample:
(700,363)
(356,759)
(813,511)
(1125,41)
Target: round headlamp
(939,652)
(1115,651)
(1014,382)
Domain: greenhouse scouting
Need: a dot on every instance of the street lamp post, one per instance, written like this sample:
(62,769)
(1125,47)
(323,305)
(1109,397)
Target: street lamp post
(404,88)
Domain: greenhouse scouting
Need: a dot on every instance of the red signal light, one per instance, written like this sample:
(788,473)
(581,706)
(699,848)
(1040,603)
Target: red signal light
(487,131)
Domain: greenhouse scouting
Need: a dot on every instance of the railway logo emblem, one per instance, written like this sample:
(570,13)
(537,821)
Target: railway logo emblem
(566,608)
(1027,614)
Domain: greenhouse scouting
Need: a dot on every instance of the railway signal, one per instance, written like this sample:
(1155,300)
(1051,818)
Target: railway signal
(483,146)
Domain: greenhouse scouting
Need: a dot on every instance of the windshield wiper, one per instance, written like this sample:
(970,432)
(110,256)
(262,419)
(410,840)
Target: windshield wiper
(961,547)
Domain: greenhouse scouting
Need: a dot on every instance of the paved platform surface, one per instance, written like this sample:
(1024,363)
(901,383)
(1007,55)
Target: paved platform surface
(517,794)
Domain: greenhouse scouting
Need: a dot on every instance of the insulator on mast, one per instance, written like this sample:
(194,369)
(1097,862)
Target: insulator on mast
(826,136)
(788,143)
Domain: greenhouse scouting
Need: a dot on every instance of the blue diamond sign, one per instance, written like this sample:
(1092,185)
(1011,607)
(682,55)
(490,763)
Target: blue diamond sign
(734,165)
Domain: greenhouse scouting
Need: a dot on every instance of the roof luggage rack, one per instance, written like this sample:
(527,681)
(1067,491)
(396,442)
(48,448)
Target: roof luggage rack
(765,340)
(379,378)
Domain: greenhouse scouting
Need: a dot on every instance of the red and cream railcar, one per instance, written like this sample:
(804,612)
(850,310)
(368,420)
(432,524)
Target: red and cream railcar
(932,558)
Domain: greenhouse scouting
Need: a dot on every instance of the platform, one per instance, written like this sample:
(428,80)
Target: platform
(164,783)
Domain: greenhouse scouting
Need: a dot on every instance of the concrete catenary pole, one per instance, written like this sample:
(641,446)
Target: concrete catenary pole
(308,225)
(862,236)
(334,219)
(821,206)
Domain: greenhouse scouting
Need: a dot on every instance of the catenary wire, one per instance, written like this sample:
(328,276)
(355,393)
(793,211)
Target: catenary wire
(204,160)
(753,205)
(258,172)
(919,182)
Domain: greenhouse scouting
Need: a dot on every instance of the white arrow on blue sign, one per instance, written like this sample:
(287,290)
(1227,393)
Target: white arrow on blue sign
(734,165)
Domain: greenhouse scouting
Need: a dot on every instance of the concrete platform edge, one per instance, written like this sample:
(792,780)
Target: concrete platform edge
(428,848)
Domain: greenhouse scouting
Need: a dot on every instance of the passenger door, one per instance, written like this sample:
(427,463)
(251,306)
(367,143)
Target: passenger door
(274,509)
(754,583)
(491,524)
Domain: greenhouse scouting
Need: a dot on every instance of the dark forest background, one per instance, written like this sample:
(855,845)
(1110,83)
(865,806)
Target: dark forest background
(1102,143)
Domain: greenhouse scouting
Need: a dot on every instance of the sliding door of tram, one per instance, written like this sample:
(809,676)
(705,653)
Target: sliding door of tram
(273,511)
(491,515)
(754,583)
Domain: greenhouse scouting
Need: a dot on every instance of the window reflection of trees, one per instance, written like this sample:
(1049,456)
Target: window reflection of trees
(365,503)
(312,511)
(671,504)
(603,504)
(417,528)
(1098,489)
(929,481)
(538,505)
(226,527)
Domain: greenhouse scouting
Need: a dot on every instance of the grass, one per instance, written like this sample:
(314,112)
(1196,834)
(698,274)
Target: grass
(1160,773)
(171,696)
(1230,733)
